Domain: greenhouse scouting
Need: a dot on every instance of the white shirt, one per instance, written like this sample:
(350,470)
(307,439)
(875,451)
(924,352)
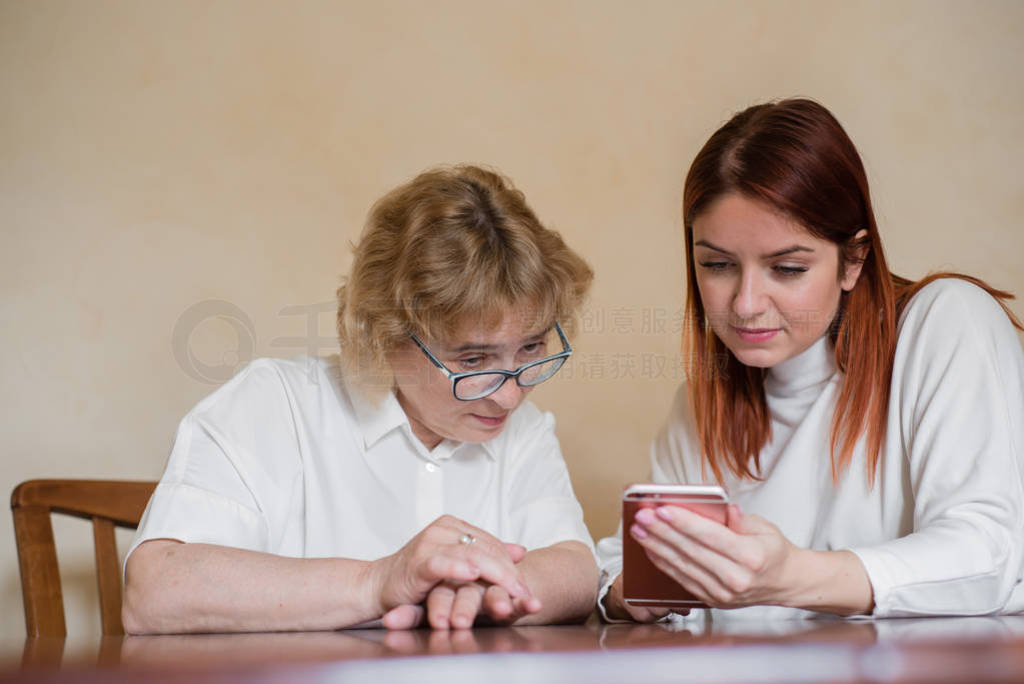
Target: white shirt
(285,458)
(942,529)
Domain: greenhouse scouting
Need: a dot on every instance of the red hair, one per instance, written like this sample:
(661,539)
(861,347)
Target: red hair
(794,157)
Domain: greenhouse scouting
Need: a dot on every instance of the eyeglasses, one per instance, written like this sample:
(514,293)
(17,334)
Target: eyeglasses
(472,385)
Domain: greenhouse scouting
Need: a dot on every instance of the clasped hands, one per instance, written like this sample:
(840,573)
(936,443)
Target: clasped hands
(438,577)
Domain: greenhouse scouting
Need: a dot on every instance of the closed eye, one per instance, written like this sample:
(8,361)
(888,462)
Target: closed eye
(715,266)
(530,352)
(534,348)
(789,271)
(471,362)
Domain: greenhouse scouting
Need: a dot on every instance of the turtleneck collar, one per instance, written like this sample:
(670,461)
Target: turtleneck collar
(812,367)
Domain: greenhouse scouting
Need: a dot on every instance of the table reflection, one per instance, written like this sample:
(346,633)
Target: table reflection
(852,638)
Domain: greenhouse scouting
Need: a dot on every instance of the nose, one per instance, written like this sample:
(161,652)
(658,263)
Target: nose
(750,299)
(508,395)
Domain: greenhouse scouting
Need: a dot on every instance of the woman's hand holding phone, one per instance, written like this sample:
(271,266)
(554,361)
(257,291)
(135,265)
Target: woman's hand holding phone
(745,562)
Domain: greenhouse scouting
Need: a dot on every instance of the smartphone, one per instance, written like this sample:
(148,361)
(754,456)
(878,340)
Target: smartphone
(642,583)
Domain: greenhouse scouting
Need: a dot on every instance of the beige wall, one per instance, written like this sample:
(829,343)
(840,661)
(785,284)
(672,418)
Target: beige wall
(155,155)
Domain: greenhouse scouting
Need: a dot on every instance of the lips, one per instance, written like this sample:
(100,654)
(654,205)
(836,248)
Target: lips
(756,334)
(491,421)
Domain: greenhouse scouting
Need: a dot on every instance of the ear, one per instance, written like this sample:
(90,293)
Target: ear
(860,252)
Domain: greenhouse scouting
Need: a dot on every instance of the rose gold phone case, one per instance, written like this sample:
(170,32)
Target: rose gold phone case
(642,583)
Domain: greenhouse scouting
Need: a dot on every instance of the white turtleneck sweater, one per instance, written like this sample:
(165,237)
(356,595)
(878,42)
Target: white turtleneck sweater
(941,531)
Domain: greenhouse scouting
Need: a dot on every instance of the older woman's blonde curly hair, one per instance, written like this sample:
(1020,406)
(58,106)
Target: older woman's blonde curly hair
(454,244)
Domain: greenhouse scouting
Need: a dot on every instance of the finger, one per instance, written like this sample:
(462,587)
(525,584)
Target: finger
(468,566)
(499,606)
(735,552)
(501,572)
(527,605)
(466,606)
(755,524)
(734,518)
(515,551)
(696,526)
(689,577)
(406,616)
(646,614)
(709,543)
(669,537)
(484,546)
(439,606)
(709,586)
(670,548)
(446,566)
(497,603)
(678,565)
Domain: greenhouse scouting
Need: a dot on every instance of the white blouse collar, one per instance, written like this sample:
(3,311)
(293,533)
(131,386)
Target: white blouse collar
(380,415)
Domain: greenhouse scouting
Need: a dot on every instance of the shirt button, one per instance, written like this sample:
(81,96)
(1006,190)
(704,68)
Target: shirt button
(431,468)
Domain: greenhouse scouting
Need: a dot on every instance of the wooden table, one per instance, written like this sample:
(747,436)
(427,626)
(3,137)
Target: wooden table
(988,649)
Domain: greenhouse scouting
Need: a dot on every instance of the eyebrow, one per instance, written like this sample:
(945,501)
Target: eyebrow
(488,348)
(472,346)
(781,252)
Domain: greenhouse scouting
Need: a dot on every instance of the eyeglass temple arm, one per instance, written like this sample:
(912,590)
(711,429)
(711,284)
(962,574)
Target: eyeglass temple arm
(561,334)
(433,359)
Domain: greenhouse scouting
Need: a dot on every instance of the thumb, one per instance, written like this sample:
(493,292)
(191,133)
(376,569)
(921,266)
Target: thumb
(742,523)
(734,519)
(405,616)
(515,551)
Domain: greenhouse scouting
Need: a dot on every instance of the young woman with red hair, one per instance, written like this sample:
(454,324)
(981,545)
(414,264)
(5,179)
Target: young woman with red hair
(878,423)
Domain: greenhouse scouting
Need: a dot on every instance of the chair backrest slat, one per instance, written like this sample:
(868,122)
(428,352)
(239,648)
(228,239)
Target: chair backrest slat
(107,503)
(108,575)
(40,577)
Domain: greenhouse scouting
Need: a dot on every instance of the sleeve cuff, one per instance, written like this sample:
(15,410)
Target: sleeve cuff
(880,583)
(977,594)
(606,585)
(190,514)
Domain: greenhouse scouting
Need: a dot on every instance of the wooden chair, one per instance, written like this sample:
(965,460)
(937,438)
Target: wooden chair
(107,503)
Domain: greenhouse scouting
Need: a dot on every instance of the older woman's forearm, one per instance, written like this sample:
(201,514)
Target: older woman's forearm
(564,577)
(173,587)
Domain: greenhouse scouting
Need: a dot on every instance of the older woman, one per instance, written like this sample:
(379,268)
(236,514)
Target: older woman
(406,479)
